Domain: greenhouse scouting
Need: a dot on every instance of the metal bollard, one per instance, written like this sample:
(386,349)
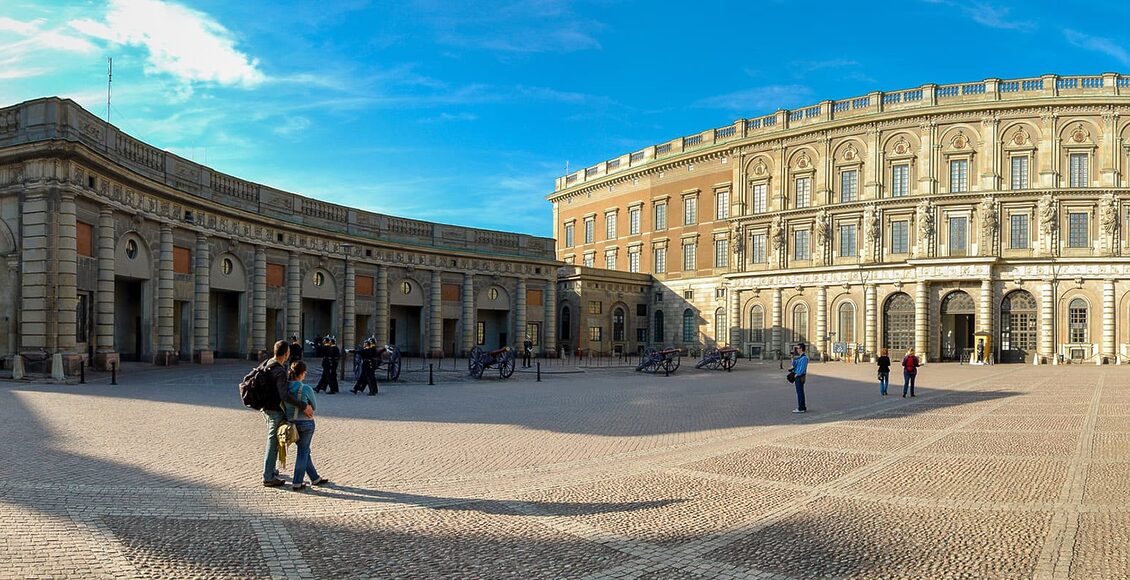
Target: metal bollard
(113,373)
(431,380)
(539,371)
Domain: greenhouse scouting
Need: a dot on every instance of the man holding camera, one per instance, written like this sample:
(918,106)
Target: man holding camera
(799,374)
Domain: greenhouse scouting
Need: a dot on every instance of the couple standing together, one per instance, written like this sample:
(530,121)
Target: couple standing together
(910,364)
(294,402)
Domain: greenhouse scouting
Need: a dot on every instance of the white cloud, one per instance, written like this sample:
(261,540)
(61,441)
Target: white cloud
(758,100)
(292,126)
(28,42)
(987,14)
(182,42)
(1098,44)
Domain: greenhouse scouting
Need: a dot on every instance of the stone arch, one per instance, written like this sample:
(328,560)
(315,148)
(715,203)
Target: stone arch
(803,158)
(1018,338)
(223,278)
(7,240)
(500,301)
(759,167)
(132,257)
(898,322)
(849,150)
(721,325)
(619,322)
(845,318)
(1079,131)
(757,321)
(398,297)
(950,138)
(565,322)
(797,321)
(319,283)
(900,144)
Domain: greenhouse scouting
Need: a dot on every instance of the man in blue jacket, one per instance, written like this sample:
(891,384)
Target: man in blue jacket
(800,369)
(272,409)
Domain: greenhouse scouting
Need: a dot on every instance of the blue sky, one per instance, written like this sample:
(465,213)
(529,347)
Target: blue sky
(466,112)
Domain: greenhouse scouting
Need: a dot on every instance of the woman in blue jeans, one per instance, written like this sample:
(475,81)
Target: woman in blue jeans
(303,463)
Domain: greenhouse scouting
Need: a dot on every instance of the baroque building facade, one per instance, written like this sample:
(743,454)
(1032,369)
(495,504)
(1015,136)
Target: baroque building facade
(937,218)
(118,250)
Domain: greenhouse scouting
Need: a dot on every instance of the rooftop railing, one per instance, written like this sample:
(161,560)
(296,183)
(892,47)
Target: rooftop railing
(926,96)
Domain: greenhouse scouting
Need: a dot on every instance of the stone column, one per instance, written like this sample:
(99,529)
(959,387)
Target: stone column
(869,320)
(520,314)
(165,353)
(1047,323)
(105,354)
(468,312)
(1108,350)
(259,348)
(550,332)
(67,282)
(922,320)
(435,315)
(381,322)
(349,306)
(775,336)
(202,351)
(734,338)
(822,322)
(293,296)
(34,307)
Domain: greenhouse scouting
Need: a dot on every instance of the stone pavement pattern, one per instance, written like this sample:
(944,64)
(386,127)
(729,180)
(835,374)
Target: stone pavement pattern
(1003,472)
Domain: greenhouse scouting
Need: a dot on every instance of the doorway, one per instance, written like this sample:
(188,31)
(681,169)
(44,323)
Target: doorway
(957,325)
(317,320)
(404,328)
(225,325)
(492,328)
(129,332)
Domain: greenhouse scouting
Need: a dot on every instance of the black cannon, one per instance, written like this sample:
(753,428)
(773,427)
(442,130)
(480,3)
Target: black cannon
(653,361)
(718,358)
(479,360)
(388,358)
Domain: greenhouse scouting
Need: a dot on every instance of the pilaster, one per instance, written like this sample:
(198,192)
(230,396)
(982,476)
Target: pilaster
(380,324)
(468,312)
(202,351)
(165,353)
(259,306)
(550,333)
(67,281)
(349,305)
(869,319)
(435,315)
(922,320)
(775,337)
(34,277)
(1047,322)
(293,296)
(104,351)
(822,322)
(520,313)
(1108,350)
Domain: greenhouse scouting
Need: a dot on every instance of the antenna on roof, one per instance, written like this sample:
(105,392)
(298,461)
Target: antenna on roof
(109,85)
(566,167)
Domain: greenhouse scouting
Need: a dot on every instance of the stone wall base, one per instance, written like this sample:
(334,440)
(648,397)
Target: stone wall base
(102,360)
(166,358)
(203,357)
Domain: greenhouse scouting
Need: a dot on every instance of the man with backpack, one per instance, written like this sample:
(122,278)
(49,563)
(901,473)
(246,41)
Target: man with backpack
(269,388)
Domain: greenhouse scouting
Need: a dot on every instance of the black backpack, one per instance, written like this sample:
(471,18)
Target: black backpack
(253,389)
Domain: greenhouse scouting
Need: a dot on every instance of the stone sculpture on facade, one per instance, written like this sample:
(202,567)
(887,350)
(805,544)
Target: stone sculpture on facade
(924,216)
(990,222)
(870,232)
(1047,211)
(823,229)
(1108,214)
(777,238)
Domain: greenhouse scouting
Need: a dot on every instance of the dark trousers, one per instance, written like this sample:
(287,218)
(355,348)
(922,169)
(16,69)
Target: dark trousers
(908,382)
(328,382)
(799,384)
(368,379)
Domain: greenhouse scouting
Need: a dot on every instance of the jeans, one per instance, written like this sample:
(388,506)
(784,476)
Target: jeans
(799,384)
(908,382)
(273,419)
(303,463)
(884,381)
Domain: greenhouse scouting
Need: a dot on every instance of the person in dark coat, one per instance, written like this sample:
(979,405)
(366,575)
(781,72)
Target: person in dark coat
(527,352)
(272,409)
(331,358)
(295,350)
(368,378)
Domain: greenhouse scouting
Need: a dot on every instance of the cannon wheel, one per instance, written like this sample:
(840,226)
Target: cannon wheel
(473,356)
(709,358)
(674,361)
(651,365)
(506,365)
(729,360)
(646,357)
(477,368)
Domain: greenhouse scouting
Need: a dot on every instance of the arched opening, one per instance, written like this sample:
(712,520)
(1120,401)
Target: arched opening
(898,323)
(957,325)
(658,335)
(846,322)
(689,327)
(1077,318)
(757,324)
(800,325)
(618,325)
(721,328)
(566,333)
(1018,327)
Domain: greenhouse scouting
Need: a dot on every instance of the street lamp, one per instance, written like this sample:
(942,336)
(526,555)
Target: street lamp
(345,247)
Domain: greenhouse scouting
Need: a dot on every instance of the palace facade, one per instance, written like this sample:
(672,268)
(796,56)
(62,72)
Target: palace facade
(118,250)
(935,218)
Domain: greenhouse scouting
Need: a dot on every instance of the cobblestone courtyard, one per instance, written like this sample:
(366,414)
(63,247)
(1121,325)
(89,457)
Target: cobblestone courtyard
(1003,472)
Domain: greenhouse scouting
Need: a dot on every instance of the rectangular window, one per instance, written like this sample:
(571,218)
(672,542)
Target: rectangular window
(447,292)
(596,307)
(1018,231)
(589,260)
(641,309)
(959,175)
(1077,230)
(82,317)
(660,260)
(570,260)
(364,287)
(1020,172)
(803,191)
(1077,322)
(84,239)
(610,226)
(689,261)
(634,261)
(533,330)
(900,237)
(596,333)
(480,333)
(722,204)
(569,235)
(182,260)
(661,216)
(534,298)
(847,240)
(958,235)
(590,227)
(690,210)
(760,198)
(1079,166)
(276,275)
(758,253)
(610,261)
(801,250)
(634,221)
(849,186)
(688,294)
(721,253)
(900,180)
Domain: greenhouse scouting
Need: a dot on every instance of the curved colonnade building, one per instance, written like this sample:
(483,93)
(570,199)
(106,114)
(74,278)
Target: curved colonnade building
(928,218)
(119,250)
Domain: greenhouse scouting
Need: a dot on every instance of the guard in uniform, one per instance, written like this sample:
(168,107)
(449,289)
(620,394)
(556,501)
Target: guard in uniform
(368,378)
(295,350)
(331,357)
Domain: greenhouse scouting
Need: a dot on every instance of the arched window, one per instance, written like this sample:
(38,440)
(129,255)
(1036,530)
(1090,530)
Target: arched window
(721,329)
(898,322)
(846,328)
(1018,325)
(1077,321)
(658,327)
(757,324)
(800,324)
(618,325)
(690,331)
(566,323)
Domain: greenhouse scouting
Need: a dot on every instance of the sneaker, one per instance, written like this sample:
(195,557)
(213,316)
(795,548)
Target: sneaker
(320,481)
(800,410)
(298,487)
(276,482)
